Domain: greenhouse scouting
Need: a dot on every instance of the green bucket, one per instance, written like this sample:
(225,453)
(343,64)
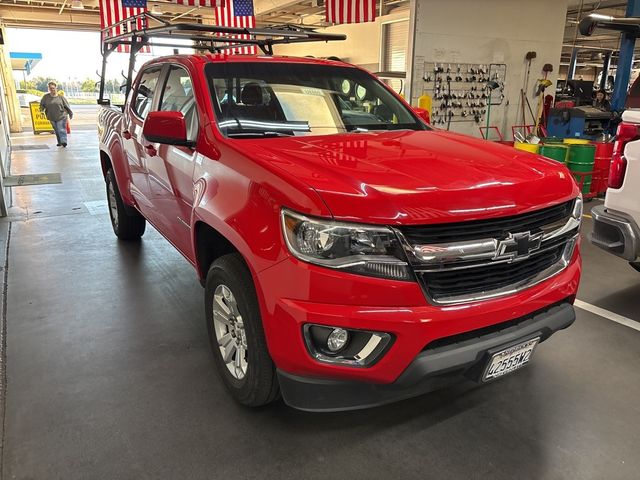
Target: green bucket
(554,152)
(582,154)
(546,140)
(586,185)
(581,158)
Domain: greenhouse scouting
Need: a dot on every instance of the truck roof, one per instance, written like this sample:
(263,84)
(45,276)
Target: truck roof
(231,58)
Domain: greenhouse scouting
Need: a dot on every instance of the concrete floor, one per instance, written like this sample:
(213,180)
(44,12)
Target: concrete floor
(109,374)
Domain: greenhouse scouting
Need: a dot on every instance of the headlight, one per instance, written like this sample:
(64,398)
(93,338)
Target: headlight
(362,249)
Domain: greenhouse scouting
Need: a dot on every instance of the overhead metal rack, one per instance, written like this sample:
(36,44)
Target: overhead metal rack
(137,32)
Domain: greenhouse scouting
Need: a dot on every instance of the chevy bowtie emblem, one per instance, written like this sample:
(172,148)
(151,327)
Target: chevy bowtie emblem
(518,246)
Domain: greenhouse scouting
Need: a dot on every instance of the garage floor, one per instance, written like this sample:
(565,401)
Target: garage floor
(109,374)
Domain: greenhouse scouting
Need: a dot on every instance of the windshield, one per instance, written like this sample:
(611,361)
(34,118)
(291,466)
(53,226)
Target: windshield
(264,99)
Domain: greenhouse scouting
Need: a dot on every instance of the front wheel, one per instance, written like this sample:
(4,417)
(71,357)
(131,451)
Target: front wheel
(126,225)
(236,334)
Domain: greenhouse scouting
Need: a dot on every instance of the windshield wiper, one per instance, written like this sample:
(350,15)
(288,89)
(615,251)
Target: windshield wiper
(259,134)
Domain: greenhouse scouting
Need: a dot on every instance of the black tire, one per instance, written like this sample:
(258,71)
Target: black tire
(127,224)
(259,385)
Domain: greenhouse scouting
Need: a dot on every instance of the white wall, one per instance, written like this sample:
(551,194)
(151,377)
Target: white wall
(490,31)
(362,46)
(465,31)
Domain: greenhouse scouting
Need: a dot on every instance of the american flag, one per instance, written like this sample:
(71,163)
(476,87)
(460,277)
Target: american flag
(350,11)
(237,13)
(114,11)
(199,3)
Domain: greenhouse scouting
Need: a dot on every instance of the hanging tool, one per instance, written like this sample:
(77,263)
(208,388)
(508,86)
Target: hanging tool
(525,86)
(542,84)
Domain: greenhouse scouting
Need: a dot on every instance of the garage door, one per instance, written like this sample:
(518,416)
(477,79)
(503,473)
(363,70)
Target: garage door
(395,38)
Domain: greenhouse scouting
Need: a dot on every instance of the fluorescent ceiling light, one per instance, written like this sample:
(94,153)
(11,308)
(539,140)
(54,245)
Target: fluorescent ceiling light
(77,5)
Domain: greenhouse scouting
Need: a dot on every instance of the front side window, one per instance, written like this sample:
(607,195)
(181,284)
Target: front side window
(145,91)
(177,96)
(276,99)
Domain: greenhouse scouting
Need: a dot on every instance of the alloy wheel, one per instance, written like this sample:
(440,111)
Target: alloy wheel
(230,332)
(113,206)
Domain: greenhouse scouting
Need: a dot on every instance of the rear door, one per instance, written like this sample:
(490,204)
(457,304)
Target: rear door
(171,170)
(141,102)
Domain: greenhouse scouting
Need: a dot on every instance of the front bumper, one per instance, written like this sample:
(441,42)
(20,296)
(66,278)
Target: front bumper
(616,233)
(449,360)
(293,294)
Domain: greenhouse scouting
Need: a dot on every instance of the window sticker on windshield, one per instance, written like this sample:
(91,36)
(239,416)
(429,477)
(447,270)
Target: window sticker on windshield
(312,91)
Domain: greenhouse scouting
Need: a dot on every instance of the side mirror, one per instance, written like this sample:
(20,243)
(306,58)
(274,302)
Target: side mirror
(166,127)
(423,114)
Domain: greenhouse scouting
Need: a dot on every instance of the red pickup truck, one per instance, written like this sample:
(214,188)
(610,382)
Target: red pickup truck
(351,255)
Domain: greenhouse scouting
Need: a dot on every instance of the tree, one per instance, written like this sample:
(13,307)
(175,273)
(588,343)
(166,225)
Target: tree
(41,83)
(88,85)
(28,85)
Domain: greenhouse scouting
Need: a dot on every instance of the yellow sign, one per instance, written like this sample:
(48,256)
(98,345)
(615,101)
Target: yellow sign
(39,119)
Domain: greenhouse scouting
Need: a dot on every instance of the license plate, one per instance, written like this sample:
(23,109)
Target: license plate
(509,359)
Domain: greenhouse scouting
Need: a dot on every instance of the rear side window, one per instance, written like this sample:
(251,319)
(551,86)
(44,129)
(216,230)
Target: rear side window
(145,91)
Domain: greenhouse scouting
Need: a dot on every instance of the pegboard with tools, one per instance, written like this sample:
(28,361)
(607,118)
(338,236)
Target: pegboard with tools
(460,92)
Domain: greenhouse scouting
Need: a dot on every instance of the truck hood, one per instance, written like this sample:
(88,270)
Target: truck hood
(411,177)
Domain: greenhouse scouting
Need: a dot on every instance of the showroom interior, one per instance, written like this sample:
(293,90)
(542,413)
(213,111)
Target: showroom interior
(414,227)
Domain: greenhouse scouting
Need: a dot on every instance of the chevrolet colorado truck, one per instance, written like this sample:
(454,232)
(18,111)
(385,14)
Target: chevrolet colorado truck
(616,223)
(351,255)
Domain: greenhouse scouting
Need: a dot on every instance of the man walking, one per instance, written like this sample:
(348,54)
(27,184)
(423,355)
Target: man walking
(56,109)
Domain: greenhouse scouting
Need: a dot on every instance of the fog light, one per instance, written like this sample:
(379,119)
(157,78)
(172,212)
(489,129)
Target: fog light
(337,339)
(342,346)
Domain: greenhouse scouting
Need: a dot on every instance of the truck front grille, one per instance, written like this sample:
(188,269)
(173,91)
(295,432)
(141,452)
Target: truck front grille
(469,281)
(480,260)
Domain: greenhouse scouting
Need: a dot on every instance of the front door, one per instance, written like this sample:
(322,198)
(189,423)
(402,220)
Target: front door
(171,169)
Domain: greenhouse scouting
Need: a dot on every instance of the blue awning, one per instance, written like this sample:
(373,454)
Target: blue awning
(24,60)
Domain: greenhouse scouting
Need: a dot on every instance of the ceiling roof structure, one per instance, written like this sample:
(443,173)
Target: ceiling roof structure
(64,14)
(591,48)
(61,14)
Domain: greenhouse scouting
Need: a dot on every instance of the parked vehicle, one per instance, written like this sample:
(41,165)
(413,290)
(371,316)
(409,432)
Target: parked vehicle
(616,222)
(351,255)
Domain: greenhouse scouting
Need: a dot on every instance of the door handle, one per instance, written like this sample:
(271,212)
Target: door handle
(126,134)
(151,150)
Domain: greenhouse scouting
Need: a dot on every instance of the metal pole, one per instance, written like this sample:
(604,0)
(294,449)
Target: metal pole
(414,69)
(105,55)
(623,71)
(488,115)
(625,61)
(132,63)
(605,71)
(572,64)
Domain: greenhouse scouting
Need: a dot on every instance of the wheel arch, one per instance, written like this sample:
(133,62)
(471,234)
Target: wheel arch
(105,163)
(209,245)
